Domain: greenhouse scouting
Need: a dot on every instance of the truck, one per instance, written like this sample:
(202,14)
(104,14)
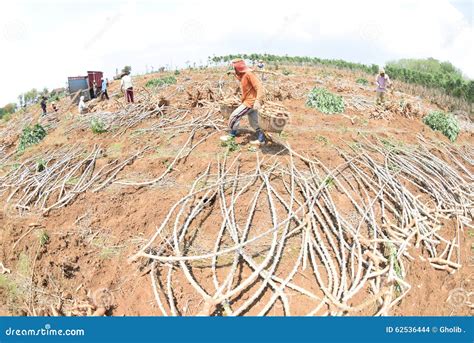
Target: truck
(84,85)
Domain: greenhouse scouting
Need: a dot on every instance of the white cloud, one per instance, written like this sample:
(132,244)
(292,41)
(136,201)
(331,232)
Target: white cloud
(44,43)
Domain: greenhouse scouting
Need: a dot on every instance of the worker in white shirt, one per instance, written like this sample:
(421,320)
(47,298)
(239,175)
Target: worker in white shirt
(82,106)
(126,86)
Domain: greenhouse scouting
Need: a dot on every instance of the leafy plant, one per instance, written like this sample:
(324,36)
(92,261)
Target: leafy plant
(31,136)
(329,181)
(230,145)
(286,72)
(168,80)
(445,123)
(177,72)
(43,237)
(40,165)
(362,81)
(325,101)
(390,253)
(98,126)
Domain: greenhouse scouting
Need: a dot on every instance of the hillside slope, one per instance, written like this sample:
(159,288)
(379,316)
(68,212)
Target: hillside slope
(365,213)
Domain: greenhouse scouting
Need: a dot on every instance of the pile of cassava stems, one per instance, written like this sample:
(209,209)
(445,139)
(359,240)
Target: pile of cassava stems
(53,179)
(293,237)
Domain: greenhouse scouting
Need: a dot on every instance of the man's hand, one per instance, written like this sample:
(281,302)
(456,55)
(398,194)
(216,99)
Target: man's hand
(257,105)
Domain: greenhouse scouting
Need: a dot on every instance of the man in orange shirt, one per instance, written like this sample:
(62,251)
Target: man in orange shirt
(252,95)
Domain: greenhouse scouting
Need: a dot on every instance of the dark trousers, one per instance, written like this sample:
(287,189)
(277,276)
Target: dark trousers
(44,110)
(104,94)
(129,94)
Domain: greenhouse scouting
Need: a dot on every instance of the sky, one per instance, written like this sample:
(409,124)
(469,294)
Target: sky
(44,42)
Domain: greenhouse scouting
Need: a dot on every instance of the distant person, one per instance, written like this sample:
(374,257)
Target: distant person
(104,90)
(126,86)
(43,105)
(96,89)
(252,95)
(261,67)
(82,105)
(383,82)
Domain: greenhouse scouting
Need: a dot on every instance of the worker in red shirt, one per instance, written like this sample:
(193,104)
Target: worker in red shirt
(252,95)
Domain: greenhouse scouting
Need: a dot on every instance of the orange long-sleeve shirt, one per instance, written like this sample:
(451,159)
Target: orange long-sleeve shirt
(252,89)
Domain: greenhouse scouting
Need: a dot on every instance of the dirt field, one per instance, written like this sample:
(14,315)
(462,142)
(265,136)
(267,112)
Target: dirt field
(74,257)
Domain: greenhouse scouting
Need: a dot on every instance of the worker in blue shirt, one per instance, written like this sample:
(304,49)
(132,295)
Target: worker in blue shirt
(104,90)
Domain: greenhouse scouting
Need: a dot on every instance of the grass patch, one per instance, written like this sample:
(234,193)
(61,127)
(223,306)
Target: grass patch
(168,80)
(115,150)
(329,181)
(322,139)
(391,255)
(107,251)
(390,143)
(43,237)
(362,81)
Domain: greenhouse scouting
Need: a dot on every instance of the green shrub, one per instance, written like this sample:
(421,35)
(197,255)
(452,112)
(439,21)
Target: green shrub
(325,101)
(177,72)
(286,72)
(231,145)
(362,81)
(97,126)
(168,80)
(31,136)
(445,123)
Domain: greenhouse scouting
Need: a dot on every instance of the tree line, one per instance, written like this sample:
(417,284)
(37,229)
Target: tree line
(429,73)
(432,73)
(301,60)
